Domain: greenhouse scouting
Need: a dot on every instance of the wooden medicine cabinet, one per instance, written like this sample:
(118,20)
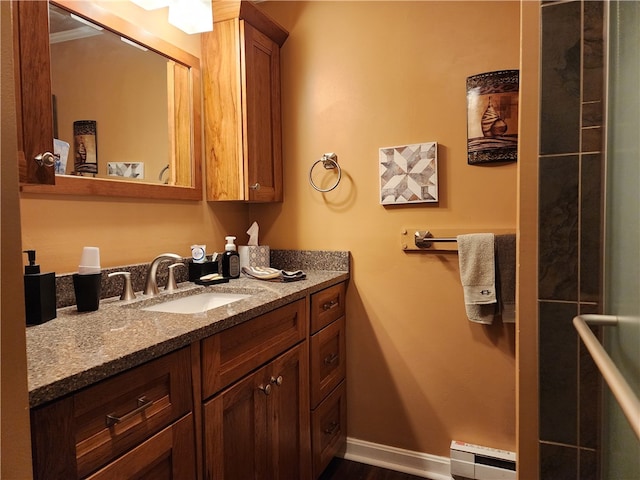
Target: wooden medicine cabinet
(242,112)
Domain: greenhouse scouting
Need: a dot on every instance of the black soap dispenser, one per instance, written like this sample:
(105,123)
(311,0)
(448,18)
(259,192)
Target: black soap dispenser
(39,292)
(230,259)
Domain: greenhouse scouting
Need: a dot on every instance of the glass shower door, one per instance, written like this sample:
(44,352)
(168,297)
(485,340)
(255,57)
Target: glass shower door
(621,447)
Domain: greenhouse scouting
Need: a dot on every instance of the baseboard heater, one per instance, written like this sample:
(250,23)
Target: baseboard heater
(475,462)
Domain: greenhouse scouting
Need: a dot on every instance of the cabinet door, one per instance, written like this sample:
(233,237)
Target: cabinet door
(289,405)
(263,129)
(167,455)
(259,427)
(33,90)
(235,431)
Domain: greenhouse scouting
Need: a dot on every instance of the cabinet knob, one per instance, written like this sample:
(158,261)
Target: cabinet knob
(277,380)
(45,159)
(255,186)
(266,389)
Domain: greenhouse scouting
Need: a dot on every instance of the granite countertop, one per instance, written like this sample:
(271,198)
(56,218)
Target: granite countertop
(78,349)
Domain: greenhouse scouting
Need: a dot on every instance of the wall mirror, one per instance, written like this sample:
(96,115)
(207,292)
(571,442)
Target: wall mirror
(124,106)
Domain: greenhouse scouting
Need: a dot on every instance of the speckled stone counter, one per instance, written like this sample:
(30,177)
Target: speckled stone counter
(78,349)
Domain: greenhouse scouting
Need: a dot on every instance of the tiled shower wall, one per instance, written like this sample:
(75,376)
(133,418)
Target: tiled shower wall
(571,161)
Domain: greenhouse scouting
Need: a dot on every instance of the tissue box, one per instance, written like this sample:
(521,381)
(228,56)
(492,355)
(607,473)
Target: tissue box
(254,256)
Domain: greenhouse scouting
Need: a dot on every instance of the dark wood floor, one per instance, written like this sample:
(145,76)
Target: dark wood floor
(340,469)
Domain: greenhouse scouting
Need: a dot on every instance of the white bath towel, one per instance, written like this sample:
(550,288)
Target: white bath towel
(476,254)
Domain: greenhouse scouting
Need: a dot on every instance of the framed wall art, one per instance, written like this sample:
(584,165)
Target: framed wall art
(409,173)
(492,117)
(85,135)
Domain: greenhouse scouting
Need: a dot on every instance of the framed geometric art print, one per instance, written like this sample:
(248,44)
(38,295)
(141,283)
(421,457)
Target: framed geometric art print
(409,174)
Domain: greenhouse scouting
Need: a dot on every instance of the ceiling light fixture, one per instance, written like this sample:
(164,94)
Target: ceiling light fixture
(190,16)
(151,4)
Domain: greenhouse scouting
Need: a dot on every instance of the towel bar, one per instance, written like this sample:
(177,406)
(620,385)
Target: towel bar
(414,239)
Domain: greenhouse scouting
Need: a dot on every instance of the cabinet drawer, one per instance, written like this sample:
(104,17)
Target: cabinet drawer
(168,455)
(232,353)
(75,436)
(328,354)
(327,306)
(328,429)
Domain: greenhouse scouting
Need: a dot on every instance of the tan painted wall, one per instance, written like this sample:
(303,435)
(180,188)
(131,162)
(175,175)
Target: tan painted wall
(358,76)
(127,231)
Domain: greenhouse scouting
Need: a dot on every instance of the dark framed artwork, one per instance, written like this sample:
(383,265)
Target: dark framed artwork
(492,117)
(85,145)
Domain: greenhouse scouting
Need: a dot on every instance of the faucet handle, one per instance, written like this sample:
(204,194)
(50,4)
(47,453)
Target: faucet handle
(127,291)
(171,282)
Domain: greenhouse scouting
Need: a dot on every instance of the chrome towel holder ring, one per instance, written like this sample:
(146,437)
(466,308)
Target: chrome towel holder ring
(330,162)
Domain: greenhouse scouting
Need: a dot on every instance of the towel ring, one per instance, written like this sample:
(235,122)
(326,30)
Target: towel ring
(329,161)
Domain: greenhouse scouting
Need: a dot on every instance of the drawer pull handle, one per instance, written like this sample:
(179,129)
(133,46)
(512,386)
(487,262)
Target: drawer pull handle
(143,403)
(330,305)
(277,380)
(332,428)
(330,359)
(265,388)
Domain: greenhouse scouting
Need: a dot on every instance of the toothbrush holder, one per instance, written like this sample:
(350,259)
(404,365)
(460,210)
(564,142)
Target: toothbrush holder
(87,289)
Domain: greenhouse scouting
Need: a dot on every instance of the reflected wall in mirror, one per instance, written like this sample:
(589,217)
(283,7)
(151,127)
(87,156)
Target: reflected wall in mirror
(141,94)
(122,86)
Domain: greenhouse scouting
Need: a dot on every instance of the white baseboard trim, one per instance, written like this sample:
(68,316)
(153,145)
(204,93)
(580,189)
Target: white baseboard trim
(392,458)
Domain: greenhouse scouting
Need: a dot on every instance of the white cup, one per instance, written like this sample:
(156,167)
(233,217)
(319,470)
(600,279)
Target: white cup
(89,261)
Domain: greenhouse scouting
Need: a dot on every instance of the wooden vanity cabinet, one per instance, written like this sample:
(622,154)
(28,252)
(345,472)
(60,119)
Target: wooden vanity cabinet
(270,404)
(327,376)
(136,424)
(242,111)
(257,425)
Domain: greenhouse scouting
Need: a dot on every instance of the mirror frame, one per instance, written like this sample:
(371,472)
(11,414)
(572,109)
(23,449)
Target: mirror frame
(32,63)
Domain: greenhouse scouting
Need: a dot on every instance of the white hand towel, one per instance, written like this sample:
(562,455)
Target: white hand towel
(476,254)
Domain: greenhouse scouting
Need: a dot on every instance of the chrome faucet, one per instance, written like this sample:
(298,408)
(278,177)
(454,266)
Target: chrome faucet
(151,286)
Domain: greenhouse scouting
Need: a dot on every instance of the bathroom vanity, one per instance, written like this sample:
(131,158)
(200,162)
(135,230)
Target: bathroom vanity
(251,389)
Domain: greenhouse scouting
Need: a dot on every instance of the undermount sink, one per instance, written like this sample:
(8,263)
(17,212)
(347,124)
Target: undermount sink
(197,303)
